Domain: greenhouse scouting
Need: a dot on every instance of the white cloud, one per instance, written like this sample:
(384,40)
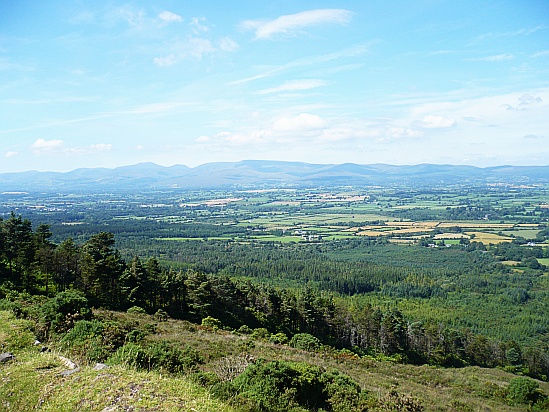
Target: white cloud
(100,147)
(540,54)
(494,58)
(301,122)
(436,122)
(524,102)
(139,147)
(295,85)
(197,25)
(291,23)
(11,154)
(227,45)
(135,18)
(42,146)
(170,17)
(202,139)
(166,61)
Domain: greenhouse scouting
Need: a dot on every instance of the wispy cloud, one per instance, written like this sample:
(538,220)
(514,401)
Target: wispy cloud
(507,34)
(57,123)
(494,58)
(300,123)
(194,48)
(308,61)
(292,23)
(436,122)
(542,53)
(198,26)
(56,146)
(165,61)
(295,85)
(169,17)
(11,153)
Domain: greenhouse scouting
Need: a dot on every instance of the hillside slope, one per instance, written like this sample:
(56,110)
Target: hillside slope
(34,380)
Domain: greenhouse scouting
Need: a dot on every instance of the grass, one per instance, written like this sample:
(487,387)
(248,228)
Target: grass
(33,381)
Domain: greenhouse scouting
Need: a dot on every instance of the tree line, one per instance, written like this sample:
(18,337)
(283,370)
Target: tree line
(30,262)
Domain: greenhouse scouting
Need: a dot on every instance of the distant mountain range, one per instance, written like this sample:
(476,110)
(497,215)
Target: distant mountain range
(264,173)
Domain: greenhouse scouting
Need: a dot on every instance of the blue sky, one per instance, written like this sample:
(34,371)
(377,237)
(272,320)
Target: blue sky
(106,84)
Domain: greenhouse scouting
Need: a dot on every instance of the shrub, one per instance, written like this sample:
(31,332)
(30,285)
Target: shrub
(131,355)
(85,340)
(245,330)
(284,386)
(136,309)
(343,393)
(64,309)
(306,342)
(168,358)
(212,323)
(523,390)
(229,367)
(393,401)
(83,331)
(159,356)
(161,315)
(135,336)
(279,338)
(260,333)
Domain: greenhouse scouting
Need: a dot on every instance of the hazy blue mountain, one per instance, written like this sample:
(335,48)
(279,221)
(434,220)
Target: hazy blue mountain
(253,173)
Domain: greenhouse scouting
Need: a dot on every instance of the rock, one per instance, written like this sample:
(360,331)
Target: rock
(100,366)
(6,357)
(69,372)
(37,342)
(68,363)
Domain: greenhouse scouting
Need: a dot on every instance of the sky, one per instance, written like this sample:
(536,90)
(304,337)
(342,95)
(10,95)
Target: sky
(114,83)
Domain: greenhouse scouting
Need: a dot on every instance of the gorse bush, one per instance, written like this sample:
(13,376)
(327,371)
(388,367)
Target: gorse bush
(524,390)
(212,323)
(291,386)
(64,309)
(136,309)
(306,342)
(93,340)
(159,356)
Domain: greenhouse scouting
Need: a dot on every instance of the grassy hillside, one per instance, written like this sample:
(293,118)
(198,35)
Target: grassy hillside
(34,380)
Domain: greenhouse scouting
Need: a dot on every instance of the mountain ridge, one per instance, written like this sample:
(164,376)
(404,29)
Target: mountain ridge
(247,173)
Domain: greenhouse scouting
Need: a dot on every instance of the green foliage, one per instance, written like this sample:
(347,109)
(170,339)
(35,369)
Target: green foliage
(523,390)
(158,356)
(161,315)
(285,386)
(394,401)
(136,309)
(85,341)
(64,309)
(260,334)
(306,342)
(279,338)
(212,323)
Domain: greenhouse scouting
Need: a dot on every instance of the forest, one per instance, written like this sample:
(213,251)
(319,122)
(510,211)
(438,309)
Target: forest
(424,300)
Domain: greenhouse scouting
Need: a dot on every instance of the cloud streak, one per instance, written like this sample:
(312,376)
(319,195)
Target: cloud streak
(494,58)
(294,23)
(57,146)
(350,52)
(295,85)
